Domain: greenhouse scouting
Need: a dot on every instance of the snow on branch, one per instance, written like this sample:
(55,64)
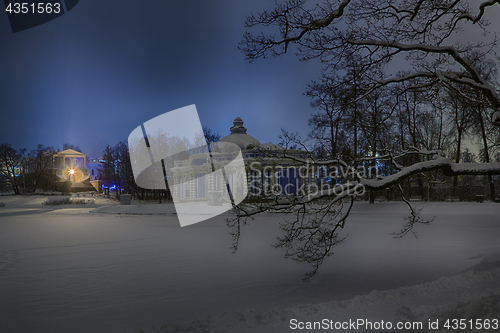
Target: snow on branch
(438,162)
(475,80)
(380,83)
(377,30)
(441,163)
(479,16)
(313,232)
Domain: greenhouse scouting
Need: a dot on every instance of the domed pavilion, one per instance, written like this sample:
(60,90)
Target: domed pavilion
(267,173)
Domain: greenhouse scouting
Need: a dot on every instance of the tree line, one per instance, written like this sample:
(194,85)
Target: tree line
(23,171)
(393,119)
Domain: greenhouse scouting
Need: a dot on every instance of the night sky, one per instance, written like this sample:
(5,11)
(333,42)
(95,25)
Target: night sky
(91,76)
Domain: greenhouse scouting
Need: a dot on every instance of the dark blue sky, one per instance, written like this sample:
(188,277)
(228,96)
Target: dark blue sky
(92,75)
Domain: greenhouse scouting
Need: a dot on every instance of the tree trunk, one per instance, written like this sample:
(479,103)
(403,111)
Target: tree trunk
(486,154)
(457,158)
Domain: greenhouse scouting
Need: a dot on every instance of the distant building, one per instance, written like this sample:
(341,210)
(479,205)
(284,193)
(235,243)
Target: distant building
(93,166)
(71,165)
(267,174)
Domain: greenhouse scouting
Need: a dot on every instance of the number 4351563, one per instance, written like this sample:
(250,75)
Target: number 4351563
(40,8)
(471,324)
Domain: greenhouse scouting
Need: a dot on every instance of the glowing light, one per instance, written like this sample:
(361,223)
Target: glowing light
(71,171)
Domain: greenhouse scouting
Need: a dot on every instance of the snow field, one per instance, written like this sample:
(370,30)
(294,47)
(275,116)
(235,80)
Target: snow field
(69,270)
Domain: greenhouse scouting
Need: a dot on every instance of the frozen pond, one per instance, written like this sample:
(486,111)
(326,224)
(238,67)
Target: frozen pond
(68,270)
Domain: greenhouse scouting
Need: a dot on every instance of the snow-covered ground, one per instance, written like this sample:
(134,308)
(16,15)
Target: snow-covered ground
(88,268)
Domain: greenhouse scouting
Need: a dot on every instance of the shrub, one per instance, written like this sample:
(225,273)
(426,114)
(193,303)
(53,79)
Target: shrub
(67,201)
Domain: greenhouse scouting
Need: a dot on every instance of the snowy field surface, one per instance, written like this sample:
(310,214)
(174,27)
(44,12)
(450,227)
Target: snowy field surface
(102,267)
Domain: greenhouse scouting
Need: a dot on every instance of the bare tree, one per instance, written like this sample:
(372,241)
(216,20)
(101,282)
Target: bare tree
(123,168)
(379,32)
(424,36)
(107,169)
(210,136)
(70,146)
(460,115)
(483,129)
(326,123)
(11,161)
(116,169)
(38,167)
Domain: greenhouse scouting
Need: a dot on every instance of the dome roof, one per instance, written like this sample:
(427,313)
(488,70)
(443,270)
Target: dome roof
(238,135)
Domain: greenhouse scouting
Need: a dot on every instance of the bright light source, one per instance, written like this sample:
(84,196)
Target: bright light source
(71,171)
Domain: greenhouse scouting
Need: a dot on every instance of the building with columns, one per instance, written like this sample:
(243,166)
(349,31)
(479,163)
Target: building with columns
(71,165)
(267,173)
